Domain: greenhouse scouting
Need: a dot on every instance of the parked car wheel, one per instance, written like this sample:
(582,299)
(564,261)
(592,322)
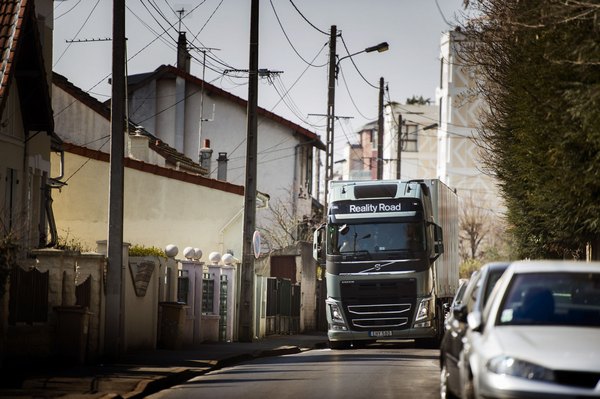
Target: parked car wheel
(444,391)
(468,390)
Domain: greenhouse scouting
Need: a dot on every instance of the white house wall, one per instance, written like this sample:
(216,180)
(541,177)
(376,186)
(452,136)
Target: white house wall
(460,157)
(78,123)
(158,210)
(420,164)
(226,129)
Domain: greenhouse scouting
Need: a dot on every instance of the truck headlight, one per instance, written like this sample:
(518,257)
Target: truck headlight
(423,310)
(336,314)
(508,365)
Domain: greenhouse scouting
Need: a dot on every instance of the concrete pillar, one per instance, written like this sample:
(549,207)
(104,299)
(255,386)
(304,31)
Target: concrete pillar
(229,272)
(194,314)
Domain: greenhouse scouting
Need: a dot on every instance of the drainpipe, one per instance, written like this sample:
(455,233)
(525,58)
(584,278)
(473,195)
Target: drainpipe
(295,189)
(53,182)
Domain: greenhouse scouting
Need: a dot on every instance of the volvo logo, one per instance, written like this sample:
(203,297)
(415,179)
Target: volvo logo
(377,266)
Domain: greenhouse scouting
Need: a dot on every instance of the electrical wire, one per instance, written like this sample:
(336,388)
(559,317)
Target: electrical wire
(76,34)
(66,12)
(351,98)
(356,67)
(288,38)
(310,23)
(442,14)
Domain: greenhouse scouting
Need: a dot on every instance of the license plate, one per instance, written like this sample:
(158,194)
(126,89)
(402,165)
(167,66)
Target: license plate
(380,333)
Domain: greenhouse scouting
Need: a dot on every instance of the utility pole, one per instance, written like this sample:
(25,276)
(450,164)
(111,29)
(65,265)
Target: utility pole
(399,155)
(246,331)
(380,133)
(113,332)
(330,115)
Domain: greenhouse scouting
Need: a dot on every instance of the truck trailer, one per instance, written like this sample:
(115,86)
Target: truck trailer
(390,250)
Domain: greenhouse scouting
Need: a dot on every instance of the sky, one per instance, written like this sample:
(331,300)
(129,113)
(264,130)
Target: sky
(293,45)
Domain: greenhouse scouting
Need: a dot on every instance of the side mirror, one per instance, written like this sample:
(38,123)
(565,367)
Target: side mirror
(460,313)
(318,244)
(438,242)
(475,321)
(438,238)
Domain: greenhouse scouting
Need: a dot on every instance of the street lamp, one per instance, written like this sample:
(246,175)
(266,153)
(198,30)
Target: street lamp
(380,48)
(333,71)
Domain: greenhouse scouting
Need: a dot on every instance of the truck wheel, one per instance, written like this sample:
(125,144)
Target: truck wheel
(340,344)
(434,343)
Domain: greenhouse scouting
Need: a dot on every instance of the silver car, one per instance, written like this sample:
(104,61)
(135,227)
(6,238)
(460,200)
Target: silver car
(538,335)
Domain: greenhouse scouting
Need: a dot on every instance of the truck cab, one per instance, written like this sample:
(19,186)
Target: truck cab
(379,245)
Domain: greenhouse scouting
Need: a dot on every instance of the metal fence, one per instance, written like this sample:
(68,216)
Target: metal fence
(283,306)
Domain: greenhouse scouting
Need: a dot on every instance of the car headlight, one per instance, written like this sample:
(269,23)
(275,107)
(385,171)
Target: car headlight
(508,365)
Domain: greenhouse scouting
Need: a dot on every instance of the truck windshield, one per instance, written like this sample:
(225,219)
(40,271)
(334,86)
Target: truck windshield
(376,237)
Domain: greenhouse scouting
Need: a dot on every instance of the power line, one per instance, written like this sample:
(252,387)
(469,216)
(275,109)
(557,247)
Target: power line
(288,38)
(76,34)
(310,23)
(356,67)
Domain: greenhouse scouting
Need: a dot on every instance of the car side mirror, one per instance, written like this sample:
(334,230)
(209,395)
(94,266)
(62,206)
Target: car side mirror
(460,312)
(475,321)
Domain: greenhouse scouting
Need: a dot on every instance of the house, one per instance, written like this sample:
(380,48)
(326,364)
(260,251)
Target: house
(26,127)
(26,141)
(409,145)
(461,160)
(167,200)
(410,141)
(209,125)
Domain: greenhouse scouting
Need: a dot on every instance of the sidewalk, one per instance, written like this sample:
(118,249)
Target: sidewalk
(139,374)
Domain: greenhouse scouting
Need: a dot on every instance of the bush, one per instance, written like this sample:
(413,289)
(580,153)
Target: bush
(140,250)
(467,268)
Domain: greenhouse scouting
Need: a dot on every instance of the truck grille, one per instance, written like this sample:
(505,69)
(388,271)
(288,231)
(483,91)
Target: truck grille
(379,304)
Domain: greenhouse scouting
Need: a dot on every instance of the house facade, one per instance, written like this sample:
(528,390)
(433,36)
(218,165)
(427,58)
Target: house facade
(26,125)
(167,198)
(409,145)
(460,159)
(209,125)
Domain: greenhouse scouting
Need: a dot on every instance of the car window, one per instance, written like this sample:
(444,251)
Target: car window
(562,298)
(460,293)
(493,277)
(470,295)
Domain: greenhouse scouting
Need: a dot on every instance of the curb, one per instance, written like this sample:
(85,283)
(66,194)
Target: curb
(151,386)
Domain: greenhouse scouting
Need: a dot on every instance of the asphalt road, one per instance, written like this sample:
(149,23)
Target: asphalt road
(378,371)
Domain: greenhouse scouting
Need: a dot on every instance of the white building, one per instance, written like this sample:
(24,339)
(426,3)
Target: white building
(460,159)
(209,125)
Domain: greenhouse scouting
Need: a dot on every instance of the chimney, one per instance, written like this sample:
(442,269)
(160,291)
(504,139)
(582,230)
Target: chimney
(183,56)
(206,155)
(222,166)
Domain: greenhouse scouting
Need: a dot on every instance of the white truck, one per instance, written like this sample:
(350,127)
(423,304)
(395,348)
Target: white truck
(390,250)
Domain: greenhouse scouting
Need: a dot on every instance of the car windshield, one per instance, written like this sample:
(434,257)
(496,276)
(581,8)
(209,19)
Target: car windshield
(376,237)
(570,299)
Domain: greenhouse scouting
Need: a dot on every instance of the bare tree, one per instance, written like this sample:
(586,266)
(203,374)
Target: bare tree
(283,229)
(474,225)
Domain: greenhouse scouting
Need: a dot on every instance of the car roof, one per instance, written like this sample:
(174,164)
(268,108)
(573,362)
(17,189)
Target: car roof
(537,266)
(495,266)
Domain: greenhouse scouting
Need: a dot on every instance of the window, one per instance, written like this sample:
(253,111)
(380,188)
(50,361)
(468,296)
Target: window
(183,286)
(410,138)
(208,293)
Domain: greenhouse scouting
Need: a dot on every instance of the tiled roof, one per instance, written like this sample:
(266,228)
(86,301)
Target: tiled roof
(136,81)
(11,17)
(171,155)
(21,59)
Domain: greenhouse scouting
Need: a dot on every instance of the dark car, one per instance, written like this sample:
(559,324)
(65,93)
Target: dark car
(474,297)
